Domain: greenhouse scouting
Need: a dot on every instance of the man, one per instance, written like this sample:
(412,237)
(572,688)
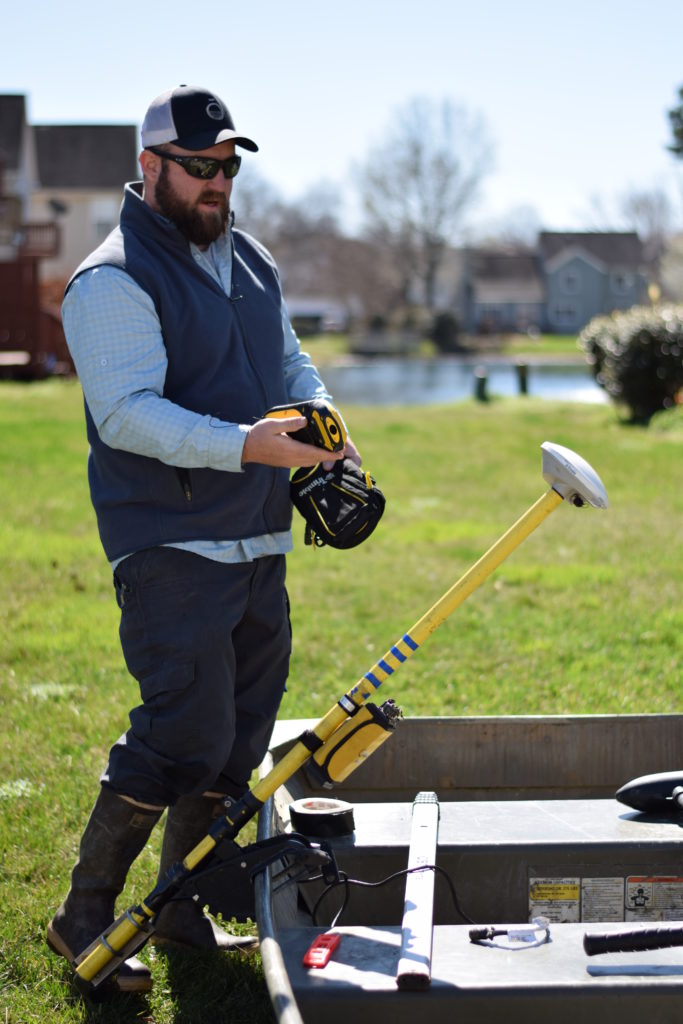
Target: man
(178,331)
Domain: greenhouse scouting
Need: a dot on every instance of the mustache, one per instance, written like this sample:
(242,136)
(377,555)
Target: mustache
(211,196)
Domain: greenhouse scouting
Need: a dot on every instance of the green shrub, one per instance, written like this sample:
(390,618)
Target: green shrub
(637,357)
(444,332)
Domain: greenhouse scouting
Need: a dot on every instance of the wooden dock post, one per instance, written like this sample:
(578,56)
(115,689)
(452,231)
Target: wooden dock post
(480,384)
(523,377)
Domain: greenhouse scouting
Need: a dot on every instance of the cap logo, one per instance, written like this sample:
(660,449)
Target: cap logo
(214,109)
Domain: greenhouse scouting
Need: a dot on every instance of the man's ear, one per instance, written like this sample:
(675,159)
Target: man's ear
(151,165)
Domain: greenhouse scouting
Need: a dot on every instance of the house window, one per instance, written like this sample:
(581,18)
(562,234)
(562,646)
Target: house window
(621,282)
(566,316)
(104,216)
(102,229)
(570,282)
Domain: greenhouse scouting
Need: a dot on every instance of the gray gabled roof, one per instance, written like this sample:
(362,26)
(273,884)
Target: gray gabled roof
(86,155)
(613,248)
(503,266)
(505,277)
(12,120)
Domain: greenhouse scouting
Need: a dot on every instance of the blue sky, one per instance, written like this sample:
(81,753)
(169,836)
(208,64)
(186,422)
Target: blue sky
(574,96)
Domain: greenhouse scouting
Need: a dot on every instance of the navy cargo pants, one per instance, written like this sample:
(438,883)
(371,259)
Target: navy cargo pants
(209,644)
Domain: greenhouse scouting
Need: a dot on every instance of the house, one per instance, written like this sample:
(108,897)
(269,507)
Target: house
(566,280)
(60,191)
(587,274)
(81,169)
(504,292)
(316,316)
(66,178)
(18,173)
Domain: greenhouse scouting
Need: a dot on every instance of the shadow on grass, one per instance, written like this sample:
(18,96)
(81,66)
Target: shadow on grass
(106,1006)
(214,988)
(189,988)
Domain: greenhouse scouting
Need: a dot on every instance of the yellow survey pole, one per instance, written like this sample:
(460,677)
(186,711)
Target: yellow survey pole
(410,641)
(131,926)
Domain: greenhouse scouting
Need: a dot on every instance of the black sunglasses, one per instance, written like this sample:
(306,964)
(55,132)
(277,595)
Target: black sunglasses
(201,166)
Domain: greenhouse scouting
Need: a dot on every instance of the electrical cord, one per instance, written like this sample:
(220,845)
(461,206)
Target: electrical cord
(536,933)
(347,882)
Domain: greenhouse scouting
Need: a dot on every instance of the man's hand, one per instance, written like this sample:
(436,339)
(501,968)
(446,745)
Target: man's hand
(350,452)
(267,442)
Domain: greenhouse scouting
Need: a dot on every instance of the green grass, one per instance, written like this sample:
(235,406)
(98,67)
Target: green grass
(560,345)
(584,617)
(334,348)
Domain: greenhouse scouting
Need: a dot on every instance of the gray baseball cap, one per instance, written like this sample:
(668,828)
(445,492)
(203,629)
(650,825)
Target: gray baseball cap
(192,118)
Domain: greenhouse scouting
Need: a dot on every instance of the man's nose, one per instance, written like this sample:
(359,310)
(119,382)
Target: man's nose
(220,181)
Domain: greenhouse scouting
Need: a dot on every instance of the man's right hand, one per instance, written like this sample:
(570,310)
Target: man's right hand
(267,442)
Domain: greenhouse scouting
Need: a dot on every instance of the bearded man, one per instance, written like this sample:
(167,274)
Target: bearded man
(181,340)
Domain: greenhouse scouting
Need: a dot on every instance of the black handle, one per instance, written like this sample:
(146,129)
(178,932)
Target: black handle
(626,942)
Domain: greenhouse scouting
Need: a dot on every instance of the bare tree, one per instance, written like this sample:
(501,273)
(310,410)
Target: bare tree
(316,259)
(417,185)
(651,215)
(648,212)
(259,208)
(671,269)
(514,231)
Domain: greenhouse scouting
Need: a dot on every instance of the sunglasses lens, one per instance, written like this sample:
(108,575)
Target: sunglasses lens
(205,167)
(231,166)
(201,167)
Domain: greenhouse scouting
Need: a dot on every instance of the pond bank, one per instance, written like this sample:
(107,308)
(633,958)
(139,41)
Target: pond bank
(417,381)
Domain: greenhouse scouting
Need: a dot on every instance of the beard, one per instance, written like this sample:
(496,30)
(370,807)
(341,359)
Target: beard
(198,226)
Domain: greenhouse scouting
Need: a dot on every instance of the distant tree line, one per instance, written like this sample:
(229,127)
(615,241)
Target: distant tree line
(416,189)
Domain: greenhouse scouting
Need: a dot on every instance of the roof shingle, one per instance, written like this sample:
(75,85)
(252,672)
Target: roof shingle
(86,155)
(12,120)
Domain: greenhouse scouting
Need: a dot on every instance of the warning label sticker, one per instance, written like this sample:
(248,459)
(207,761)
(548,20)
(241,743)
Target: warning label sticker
(602,899)
(558,899)
(653,898)
(635,898)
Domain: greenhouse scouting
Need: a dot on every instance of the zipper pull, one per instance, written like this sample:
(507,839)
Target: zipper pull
(185,482)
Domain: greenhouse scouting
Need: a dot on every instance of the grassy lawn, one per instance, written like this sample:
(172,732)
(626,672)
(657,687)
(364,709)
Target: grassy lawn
(334,348)
(559,345)
(584,617)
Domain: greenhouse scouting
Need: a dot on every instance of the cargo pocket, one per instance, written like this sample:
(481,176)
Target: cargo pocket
(169,682)
(169,720)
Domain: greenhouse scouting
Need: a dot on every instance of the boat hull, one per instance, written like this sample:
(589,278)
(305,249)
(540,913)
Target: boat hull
(528,826)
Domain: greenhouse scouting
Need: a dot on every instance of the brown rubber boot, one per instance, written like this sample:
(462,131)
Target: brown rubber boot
(115,834)
(182,923)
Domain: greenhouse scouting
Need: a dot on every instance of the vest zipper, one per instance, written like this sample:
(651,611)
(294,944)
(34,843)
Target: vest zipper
(235,297)
(185,482)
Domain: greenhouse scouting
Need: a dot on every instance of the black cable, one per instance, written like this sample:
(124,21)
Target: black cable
(347,882)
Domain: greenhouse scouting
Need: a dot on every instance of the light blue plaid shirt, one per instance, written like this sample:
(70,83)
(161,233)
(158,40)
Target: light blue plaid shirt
(116,343)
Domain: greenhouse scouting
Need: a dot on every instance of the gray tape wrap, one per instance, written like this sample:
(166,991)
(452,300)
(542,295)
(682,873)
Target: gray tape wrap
(322,817)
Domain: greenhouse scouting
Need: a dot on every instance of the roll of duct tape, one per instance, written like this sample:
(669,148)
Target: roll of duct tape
(322,817)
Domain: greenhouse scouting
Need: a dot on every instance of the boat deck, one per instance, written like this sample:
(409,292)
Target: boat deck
(570,860)
(528,827)
(485,983)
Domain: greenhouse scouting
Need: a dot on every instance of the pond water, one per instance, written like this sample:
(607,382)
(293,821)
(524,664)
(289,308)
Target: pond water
(429,381)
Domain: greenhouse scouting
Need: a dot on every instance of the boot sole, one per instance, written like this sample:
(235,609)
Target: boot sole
(127,983)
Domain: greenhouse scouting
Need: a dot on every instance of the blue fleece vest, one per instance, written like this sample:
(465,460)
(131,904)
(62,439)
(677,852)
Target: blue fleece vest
(225,360)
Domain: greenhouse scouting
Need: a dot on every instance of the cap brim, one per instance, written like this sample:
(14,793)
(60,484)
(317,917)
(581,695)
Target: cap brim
(207,139)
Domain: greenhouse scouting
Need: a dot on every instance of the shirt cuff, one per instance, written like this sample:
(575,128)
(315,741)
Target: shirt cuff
(226,445)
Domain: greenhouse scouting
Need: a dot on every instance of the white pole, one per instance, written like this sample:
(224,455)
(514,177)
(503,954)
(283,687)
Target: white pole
(415,961)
